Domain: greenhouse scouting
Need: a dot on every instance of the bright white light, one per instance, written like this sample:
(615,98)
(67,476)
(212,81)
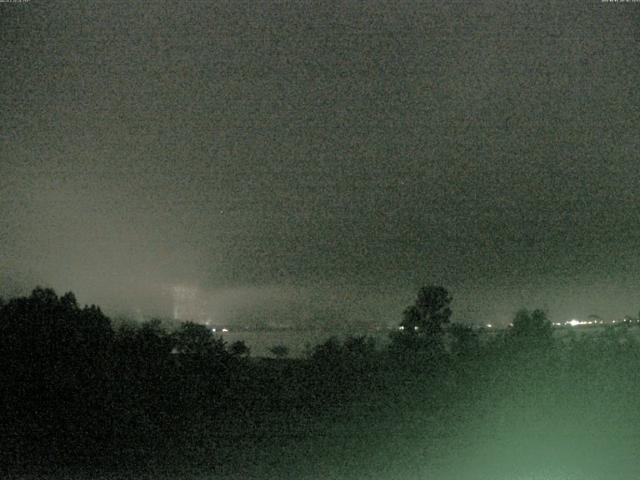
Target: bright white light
(415,328)
(401,327)
(489,325)
(225,330)
(213,329)
(574,323)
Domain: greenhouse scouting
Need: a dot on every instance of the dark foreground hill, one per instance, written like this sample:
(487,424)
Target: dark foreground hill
(83,401)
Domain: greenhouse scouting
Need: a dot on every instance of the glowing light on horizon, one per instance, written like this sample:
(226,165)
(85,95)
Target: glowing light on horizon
(184,302)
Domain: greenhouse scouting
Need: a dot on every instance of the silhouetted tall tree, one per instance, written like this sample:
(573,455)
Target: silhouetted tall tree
(197,339)
(532,328)
(430,312)
(53,356)
(423,322)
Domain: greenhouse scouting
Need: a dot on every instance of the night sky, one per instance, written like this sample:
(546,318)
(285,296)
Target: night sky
(320,161)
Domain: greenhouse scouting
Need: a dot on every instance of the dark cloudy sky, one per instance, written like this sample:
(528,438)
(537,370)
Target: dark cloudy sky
(324,158)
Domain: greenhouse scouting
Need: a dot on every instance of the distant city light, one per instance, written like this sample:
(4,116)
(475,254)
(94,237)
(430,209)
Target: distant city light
(576,323)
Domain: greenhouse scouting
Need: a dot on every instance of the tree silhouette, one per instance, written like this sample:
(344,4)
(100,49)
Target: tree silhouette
(279,351)
(532,328)
(43,324)
(53,357)
(421,329)
(430,312)
(239,349)
(359,346)
(329,352)
(197,339)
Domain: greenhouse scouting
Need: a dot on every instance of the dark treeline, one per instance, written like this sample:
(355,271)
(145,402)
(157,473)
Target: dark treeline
(76,391)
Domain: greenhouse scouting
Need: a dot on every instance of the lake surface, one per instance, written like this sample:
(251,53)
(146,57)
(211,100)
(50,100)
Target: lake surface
(297,341)
(300,341)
